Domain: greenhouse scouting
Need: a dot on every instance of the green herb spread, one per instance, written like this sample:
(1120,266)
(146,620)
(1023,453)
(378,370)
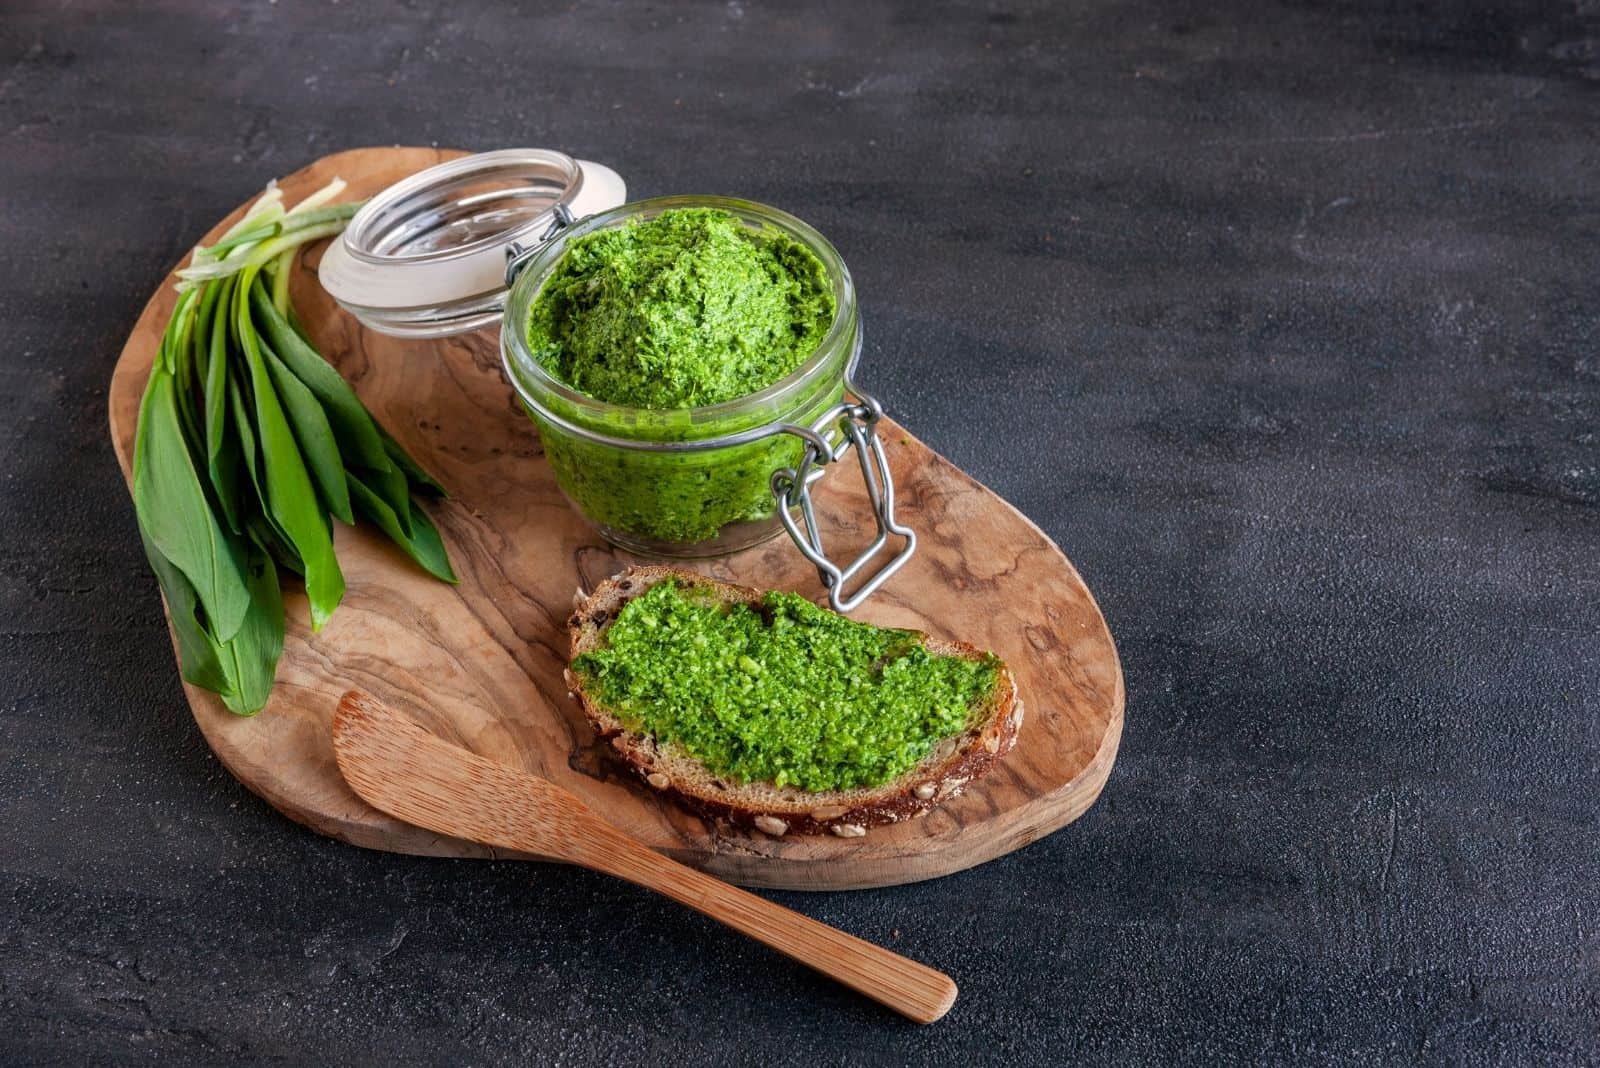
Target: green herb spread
(672,499)
(686,309)
(782,692)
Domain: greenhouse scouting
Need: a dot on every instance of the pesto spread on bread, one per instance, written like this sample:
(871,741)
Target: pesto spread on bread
(781,691)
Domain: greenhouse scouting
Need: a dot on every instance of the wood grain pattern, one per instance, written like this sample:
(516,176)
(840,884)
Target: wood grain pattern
(480,664)
(401,769)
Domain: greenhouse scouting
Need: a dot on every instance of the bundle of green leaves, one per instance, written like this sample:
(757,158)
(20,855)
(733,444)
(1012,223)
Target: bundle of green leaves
(249,444)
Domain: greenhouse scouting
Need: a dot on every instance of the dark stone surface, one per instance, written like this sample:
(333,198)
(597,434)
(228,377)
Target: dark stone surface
(1285,323)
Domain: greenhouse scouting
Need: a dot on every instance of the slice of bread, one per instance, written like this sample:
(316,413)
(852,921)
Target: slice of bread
(776,810)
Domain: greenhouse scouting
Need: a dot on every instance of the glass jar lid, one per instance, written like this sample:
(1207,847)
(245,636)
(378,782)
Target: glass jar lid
(427,256)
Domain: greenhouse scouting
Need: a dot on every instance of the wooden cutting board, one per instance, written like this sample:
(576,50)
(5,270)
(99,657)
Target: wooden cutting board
(480,663)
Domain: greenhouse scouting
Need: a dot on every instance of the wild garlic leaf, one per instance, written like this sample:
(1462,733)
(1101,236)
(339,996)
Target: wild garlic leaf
(291,499)
(259,524)
(199,655)
(423,544)
(360,442)
(224,457)
(312,433)
(241,420)
(420,479)
(176,516)
(250,659)
(185,378)
(266,535)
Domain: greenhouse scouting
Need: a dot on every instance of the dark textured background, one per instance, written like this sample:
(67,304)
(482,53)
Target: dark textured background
(1284,322)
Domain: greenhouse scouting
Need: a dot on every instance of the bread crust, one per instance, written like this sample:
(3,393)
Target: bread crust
(762,807)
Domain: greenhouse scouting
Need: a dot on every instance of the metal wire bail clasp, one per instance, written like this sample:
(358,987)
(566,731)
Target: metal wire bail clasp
(517,256)
(856,425)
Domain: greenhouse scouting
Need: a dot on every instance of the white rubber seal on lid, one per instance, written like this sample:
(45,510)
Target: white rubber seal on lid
(427,256)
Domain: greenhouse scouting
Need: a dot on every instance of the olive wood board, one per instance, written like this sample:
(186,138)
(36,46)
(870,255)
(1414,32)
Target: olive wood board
(480,663)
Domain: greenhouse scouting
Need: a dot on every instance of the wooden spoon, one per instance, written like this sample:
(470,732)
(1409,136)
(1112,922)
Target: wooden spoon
(399,768)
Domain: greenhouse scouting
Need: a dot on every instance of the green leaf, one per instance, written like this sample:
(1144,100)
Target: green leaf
(181,318)
(360,440)
(391,484)
(300,328)
(265,533)
(224,456)
(249,259)
(259,524)
(250,659)
(242,668)
(282,268)
(419,478)
(312,433)
(259,232)
(352,423)
(291,498)
(199,656)
(240,404)
(175,514)
(423,544)
(183,362)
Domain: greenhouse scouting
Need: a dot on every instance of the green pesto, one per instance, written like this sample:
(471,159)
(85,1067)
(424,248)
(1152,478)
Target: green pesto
(686,309)
(689,308)
(672,500)
(782,692)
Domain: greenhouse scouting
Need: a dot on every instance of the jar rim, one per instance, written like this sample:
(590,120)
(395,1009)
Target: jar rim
(416,210)
(519,361)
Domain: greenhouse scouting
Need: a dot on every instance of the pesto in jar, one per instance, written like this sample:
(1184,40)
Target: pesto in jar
(686,309)
(783,691)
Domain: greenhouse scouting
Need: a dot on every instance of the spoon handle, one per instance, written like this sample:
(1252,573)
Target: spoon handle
(914,990)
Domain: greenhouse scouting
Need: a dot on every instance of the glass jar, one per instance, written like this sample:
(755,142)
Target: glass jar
(679,502)
(695,482)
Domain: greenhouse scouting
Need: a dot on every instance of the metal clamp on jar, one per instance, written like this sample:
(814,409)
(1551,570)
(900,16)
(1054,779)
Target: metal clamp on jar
(486,232)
